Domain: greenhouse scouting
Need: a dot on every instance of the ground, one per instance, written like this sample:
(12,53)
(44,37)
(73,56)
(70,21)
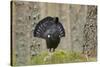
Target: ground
(60,56)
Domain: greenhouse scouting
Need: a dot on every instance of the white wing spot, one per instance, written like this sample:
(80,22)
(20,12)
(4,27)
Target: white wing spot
(48,36)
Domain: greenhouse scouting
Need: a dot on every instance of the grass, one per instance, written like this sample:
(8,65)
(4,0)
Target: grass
(58,57)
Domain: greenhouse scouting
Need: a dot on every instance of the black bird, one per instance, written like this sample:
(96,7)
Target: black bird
(51,30)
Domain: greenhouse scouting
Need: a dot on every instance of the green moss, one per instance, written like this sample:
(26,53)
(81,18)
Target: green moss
(39,59)
(58,57)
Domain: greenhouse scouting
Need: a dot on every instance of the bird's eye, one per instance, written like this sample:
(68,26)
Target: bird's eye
(48,36)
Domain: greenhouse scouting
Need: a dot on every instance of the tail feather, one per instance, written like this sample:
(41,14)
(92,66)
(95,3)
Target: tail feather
(61,30)
(41,27)
(45,25)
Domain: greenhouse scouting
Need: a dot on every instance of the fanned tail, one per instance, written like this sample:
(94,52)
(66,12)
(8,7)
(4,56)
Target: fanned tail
(61,30)
(41,27)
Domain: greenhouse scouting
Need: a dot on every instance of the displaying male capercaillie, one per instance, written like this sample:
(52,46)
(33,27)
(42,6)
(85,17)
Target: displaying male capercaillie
(51,30)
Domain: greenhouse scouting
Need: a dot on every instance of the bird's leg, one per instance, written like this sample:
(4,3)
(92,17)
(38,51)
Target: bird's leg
(52,49)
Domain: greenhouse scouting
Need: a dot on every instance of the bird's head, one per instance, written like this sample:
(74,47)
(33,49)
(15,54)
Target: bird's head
(56,19)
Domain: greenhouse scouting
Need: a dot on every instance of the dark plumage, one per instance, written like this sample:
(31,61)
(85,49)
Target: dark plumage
(51,30)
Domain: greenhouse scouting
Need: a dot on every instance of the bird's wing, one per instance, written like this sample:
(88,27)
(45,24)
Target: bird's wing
(42,27)
(60,29)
